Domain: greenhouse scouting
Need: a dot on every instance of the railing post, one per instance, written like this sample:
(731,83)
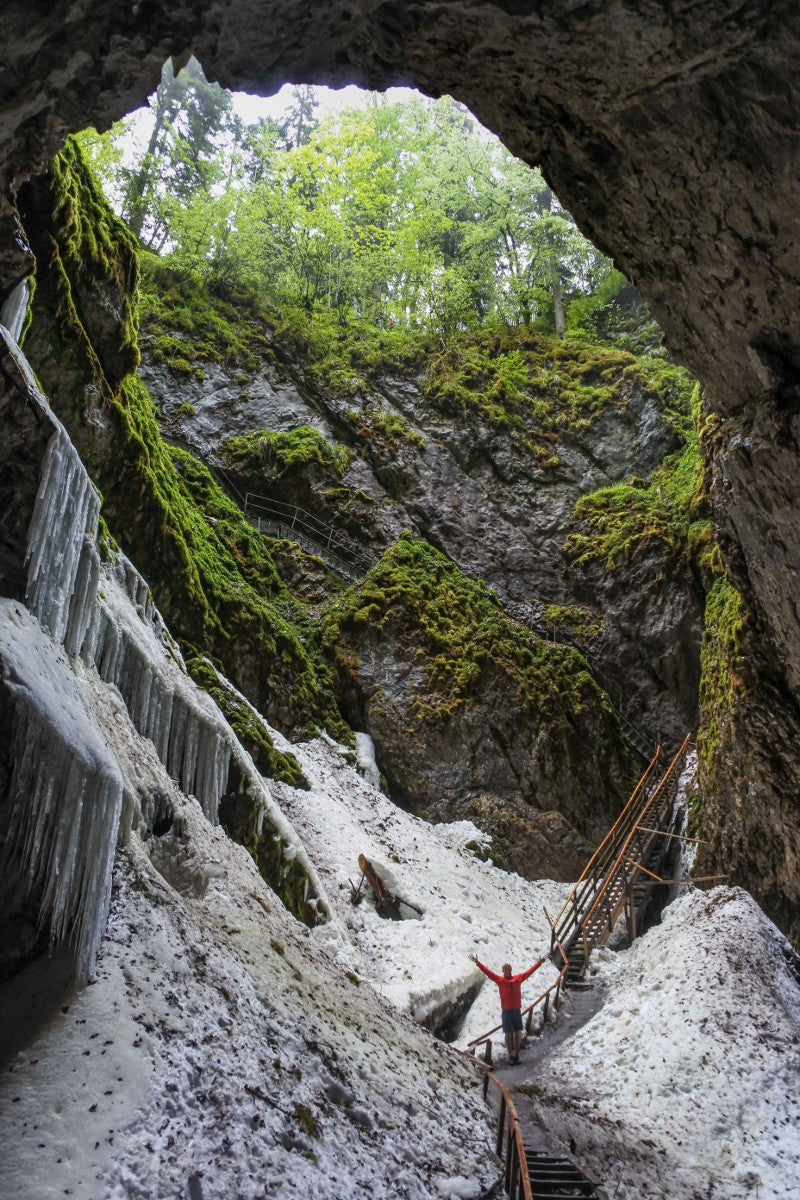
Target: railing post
(501,1121)
(632,914)
(511,1154)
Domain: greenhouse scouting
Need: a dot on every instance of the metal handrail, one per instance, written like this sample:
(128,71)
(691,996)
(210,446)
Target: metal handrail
(509,1146)
(620,863)
(321,528)
(295,524)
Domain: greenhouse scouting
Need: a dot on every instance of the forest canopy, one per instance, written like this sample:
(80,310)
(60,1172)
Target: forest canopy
(402,214)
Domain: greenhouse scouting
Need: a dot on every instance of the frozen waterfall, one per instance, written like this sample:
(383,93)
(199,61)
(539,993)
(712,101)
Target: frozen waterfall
(367,766)
(66,788)
(126,641)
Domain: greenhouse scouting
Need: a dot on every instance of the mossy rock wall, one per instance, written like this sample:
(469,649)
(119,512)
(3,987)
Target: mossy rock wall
(746,807)
(472,716)
(212,575)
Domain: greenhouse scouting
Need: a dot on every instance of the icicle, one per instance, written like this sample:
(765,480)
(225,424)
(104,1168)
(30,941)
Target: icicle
(65,793)
(63,562)
(126,641)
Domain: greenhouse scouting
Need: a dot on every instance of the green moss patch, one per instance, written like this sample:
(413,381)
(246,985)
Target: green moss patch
(721,666)
(91,244)
(185,322)
(279,454)
(384,430)
(542,387)
(671,509)
(461,631)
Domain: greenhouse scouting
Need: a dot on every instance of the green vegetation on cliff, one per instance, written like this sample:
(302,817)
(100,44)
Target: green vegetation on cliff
(287,453)
(461,631)
(721,663)
(672,508)
(185,323)
(211,573)
(91,244)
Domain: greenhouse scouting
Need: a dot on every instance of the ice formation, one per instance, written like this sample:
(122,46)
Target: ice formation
(66,789)
(126,641)
(12,314)
(365,753)
(63,561)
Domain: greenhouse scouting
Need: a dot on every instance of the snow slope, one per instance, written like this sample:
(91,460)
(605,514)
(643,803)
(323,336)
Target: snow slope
(467,905)
(685,1084)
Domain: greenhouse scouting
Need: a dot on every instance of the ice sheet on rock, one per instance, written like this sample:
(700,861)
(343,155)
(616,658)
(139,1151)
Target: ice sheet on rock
(365,753)
(66,790)
(62,558)
(217,1035)
(126,641)
(12,314)
(273,815)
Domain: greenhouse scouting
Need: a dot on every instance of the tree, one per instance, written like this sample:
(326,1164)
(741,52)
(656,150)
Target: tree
(402,213)
(191,117)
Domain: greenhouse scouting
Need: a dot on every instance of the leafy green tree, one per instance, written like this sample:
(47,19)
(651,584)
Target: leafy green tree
(404,214)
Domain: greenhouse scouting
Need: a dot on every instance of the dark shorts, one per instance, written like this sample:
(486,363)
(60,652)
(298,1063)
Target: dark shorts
(512,1020)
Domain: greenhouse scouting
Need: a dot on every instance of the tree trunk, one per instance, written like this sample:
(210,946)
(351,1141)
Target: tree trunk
(555,287)
(141,184)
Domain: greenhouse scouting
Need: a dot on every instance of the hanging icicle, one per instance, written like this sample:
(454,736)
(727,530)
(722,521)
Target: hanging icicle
(66,788)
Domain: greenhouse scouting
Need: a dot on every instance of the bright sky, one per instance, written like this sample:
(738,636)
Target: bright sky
(250,108)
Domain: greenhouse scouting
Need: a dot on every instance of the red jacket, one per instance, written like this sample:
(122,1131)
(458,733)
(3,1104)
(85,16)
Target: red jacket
(510,989)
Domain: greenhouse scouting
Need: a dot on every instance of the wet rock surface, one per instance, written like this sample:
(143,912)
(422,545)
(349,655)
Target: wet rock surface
(476,492)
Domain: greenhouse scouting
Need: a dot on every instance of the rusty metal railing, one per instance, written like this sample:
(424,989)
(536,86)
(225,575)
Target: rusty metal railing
(509,1146)
(596,901)
(616,888)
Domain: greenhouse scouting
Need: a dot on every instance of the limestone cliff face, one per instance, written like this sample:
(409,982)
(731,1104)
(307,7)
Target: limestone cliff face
(473,716)
(494,489)
(487,465)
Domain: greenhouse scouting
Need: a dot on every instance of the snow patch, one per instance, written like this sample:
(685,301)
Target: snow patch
(468,905)
(685,1082)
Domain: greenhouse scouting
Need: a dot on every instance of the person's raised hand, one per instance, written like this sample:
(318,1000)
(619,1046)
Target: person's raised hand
(473,957)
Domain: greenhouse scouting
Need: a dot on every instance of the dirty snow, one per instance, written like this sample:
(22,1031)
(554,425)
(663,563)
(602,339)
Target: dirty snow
(457,904)
(684,1085)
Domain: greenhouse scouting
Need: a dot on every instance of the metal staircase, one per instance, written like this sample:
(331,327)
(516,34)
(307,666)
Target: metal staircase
(621,874)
